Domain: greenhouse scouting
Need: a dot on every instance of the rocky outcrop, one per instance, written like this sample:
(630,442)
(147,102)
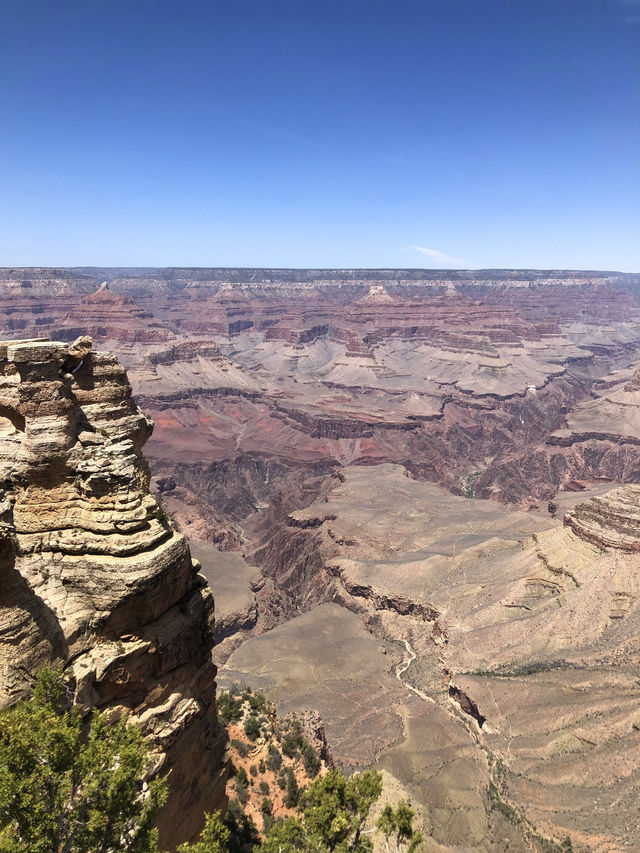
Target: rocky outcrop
(611,520)
(94,577)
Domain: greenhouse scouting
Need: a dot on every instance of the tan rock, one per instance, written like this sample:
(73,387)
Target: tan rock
(93,575)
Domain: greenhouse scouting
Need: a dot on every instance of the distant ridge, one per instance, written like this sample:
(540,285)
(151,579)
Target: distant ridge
(247,274)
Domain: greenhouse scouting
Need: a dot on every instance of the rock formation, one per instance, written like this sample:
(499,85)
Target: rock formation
(94,577)
(113,316)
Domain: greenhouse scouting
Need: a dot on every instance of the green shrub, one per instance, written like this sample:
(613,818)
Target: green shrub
(215,837)
(290,745)
(310,759)
(256,701)
(335,811)
(243,749)
(252,728)
(293,791)
(229,709)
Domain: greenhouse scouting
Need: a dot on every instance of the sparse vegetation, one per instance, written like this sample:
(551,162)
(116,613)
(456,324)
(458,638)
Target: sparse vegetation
(242,748)
(467,484)
(61,790)
(162,516)
(274,758)
(273,772)
(496,803)
(530,668)
(295,744)
(229,708)
(288,792)
(310,759)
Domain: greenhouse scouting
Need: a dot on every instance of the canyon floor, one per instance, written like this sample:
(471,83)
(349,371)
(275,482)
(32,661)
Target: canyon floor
(414,497)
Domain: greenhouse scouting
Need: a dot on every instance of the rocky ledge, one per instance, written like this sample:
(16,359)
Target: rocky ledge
(94,577)
(611,520)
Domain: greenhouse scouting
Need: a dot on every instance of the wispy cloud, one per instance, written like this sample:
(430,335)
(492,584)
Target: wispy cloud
(631,6)
(436,255)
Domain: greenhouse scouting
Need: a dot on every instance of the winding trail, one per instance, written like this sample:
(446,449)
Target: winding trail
(401,668)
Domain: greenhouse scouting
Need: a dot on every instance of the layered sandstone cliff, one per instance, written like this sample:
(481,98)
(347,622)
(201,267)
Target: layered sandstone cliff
(94,577)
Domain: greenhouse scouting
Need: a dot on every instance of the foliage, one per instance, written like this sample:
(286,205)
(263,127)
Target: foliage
(256,700)
(399,822)
(228,707)
(286,836)
(467,484)
(242,793)
(243,749)
(274,759)
(293,792)
(386,822)
(290,746)
(294,742)
(69,791)
(252,728)
(310,759)
(215,837)
(496,803)
(242,828)
(334,812)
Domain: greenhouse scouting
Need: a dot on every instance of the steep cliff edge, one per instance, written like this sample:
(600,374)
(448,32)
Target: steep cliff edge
(94,577)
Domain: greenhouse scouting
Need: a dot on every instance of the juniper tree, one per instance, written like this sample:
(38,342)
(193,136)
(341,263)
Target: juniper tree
(66,787)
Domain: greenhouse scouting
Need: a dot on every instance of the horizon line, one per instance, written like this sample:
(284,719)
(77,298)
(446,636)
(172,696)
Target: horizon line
(97,267)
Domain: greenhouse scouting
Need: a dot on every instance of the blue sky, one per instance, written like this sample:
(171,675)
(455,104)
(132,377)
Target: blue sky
(403,133)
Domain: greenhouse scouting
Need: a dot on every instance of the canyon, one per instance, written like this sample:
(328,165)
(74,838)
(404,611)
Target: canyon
(414,496)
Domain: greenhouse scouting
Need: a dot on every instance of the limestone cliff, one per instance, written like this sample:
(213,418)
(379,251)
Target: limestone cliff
(94,576)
